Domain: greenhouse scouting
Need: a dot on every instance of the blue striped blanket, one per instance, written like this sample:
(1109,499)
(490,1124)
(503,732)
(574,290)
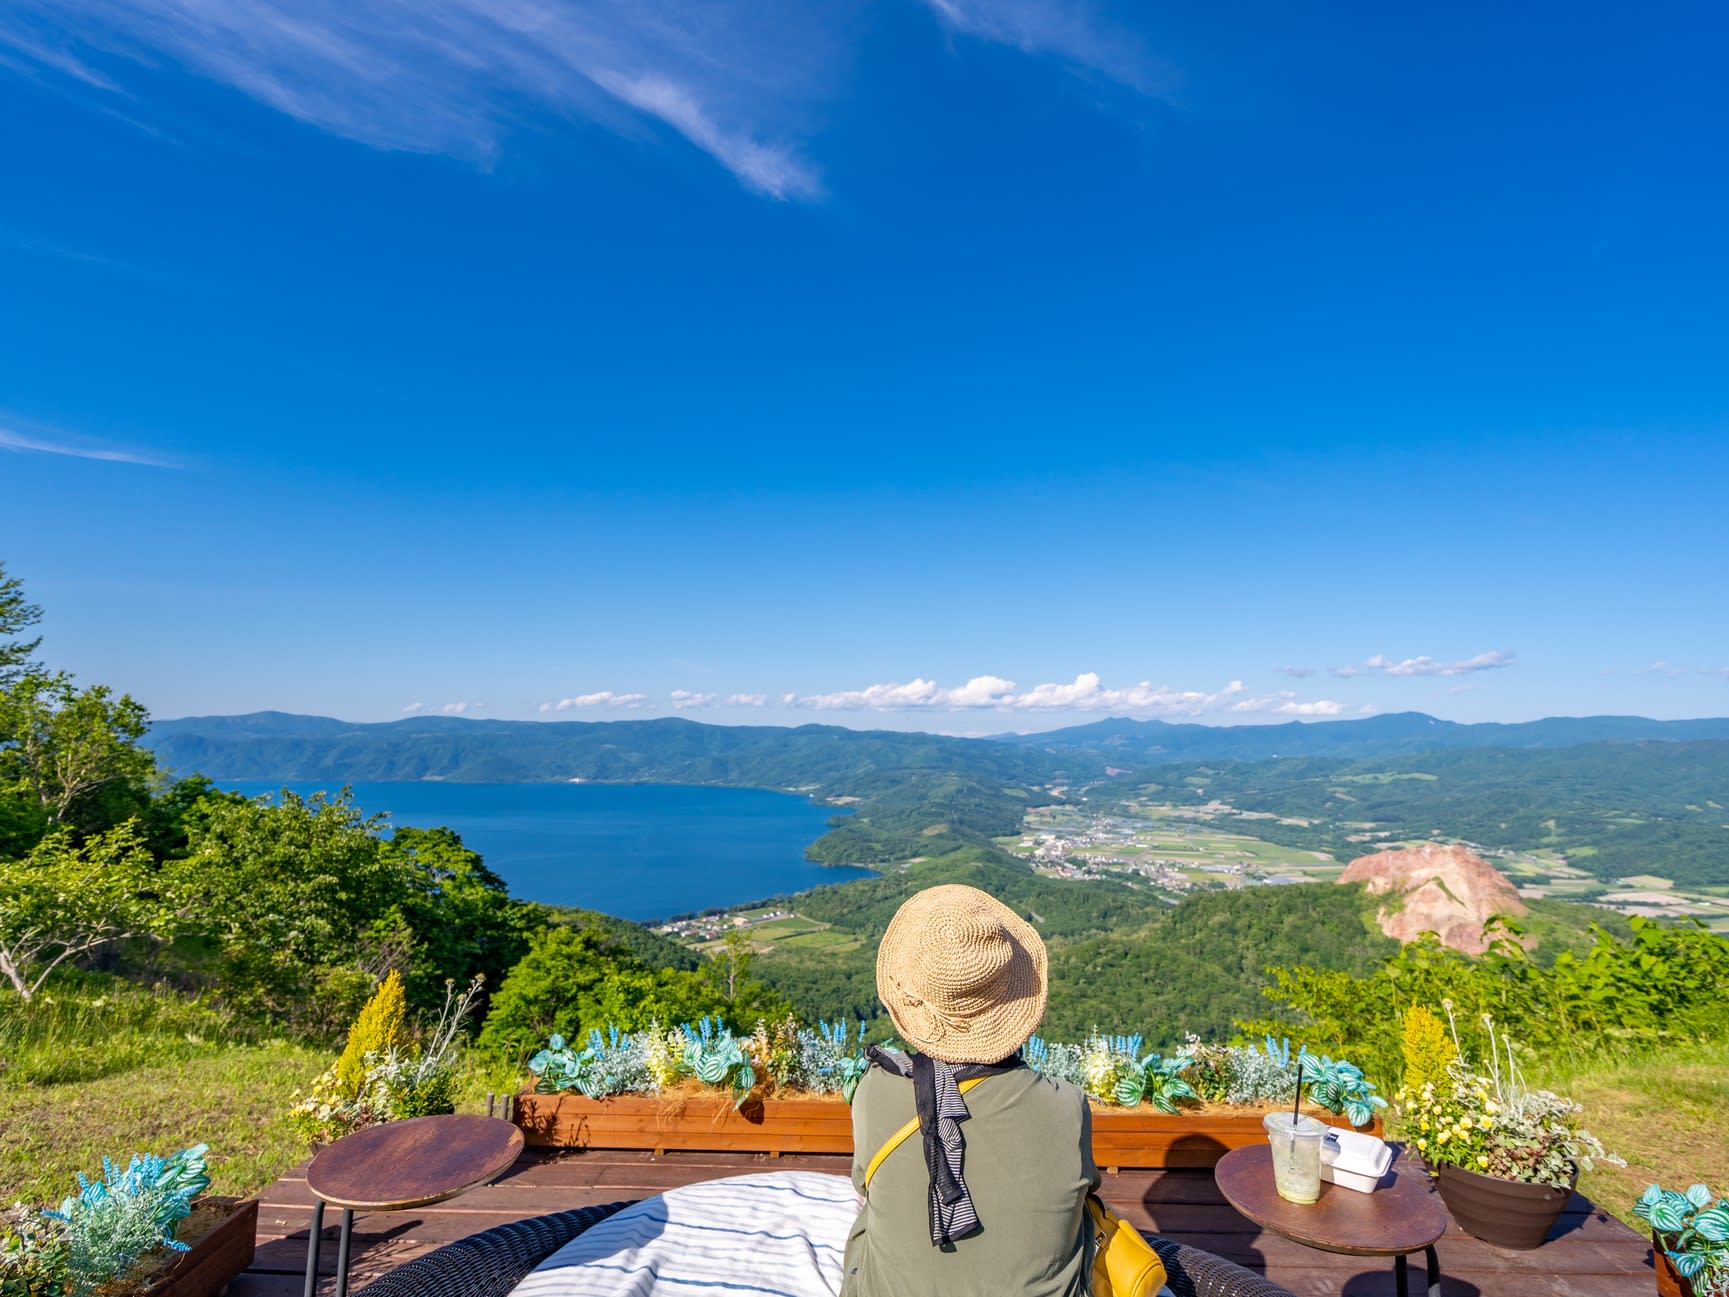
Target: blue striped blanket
(781,1233)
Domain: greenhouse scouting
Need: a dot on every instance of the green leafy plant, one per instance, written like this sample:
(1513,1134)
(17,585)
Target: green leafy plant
(35,1254)
(1340,1087)
(715,1057)
(1155,1080)
(1693,1229)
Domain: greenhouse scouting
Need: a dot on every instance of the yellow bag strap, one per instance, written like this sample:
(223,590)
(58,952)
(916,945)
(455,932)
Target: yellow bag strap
(900,1136)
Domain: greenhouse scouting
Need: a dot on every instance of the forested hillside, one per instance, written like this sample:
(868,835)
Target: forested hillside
(1613,808)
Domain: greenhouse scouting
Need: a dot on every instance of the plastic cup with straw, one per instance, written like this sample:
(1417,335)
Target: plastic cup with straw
(1296,1148)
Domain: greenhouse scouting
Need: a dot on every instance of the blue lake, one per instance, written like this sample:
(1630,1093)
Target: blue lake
(642,851)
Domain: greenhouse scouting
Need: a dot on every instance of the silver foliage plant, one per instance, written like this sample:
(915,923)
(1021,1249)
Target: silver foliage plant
(113,1221)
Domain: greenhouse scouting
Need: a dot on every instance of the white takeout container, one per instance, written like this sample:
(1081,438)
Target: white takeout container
(1353,1160)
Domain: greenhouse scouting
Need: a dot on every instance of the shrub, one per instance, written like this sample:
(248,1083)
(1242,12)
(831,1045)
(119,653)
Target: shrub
(398,1080)
(1428,1049)
(380,1030)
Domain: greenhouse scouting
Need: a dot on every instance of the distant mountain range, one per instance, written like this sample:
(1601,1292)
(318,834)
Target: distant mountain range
(278,745)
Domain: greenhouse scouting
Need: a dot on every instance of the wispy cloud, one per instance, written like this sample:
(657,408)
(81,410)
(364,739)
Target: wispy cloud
(443,709)
(1722,673)
(1086,693)
(1070,30)
(30,439)
(448,76)
(741,80)
(1296,673)
(684,699)
(747,700)
(604,698)
(1424,666)
(1661,667)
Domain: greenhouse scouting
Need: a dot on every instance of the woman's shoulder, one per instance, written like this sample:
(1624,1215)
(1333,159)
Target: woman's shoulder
(1056,1090)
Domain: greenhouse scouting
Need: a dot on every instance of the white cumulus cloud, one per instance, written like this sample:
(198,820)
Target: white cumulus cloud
(1380,665)
(602,698)
(1085,693)
(683,698)
(747,700)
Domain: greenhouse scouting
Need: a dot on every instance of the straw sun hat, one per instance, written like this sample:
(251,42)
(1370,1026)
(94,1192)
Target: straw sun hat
(962,975)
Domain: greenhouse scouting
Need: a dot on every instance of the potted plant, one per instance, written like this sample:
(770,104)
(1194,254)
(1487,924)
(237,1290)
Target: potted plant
(1505,1157)
(1190,1108)
(785,1089)
(1690,1239)
(384,1072)
(145,1230)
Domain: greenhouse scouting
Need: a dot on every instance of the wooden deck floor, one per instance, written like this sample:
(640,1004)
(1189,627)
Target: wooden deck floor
(1591,1255)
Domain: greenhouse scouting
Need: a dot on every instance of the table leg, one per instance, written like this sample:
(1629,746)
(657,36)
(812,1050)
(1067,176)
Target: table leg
(1434,1268)
(1401,1280)
(342,1252)
(312,1237)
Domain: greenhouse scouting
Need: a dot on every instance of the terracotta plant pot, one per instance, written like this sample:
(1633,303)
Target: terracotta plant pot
(1503,1213)
(1670,1283)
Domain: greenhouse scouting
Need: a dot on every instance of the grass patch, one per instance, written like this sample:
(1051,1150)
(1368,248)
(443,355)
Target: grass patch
(232,1099)
(84,1026)
(1662,1111)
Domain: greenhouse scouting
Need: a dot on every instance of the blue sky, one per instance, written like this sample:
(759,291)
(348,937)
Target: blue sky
(967,365)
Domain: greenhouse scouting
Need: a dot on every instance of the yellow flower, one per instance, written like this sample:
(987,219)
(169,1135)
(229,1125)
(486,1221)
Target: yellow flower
(1482,1159)
(1492,1107)
(1423,1124)
(1485,1123)
(1422,1146)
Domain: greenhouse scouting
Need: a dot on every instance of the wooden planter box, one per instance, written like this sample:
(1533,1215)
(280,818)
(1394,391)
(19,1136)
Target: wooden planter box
(1146,1137)
(217,1255)
(1141,1137)
(707,1123)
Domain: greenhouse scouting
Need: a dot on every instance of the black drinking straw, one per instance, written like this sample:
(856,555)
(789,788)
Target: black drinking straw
(1296,1103)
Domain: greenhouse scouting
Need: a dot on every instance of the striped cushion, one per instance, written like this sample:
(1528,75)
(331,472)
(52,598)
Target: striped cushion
(781,1233)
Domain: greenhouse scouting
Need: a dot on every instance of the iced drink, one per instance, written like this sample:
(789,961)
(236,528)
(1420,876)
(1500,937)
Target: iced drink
(1296,1144)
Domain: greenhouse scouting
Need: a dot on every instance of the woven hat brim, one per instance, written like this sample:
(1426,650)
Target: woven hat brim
(1015,999)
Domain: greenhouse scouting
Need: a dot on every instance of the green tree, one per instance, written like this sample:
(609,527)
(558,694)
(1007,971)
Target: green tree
(747,998)
(302,906)
(17,614)
(68,898)
(463,920)
(574,978)
(62,746)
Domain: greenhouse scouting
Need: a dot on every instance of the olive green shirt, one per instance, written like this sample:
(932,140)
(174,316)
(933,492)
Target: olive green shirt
(1029,1167)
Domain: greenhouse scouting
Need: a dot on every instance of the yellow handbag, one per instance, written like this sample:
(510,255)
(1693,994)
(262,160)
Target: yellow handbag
(1124,1263)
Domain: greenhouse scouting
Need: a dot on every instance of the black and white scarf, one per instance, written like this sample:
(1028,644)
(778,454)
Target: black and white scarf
(941,1110)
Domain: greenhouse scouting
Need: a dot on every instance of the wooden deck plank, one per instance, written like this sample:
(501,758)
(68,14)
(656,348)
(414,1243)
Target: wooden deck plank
(1593,1255)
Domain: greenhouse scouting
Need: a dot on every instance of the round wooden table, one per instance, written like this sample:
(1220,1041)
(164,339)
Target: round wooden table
(1394,1220)
(399,1165)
